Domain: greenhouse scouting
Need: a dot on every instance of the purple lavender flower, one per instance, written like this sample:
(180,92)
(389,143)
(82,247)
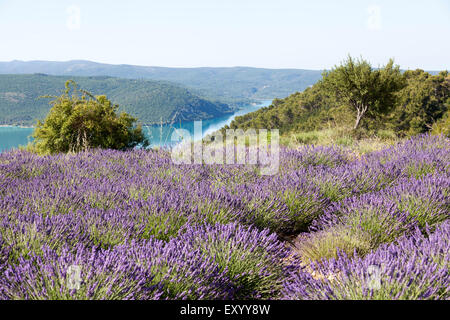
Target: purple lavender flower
(414,267)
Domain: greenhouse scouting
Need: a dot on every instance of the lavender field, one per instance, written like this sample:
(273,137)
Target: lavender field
(332,224)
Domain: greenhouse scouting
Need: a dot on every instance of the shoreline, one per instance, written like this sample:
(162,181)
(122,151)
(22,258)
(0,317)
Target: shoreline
(13,126)
(261,102)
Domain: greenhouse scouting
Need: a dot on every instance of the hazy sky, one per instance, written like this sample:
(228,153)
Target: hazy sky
(191,33)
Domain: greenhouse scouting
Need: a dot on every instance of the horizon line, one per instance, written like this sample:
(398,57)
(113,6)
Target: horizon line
(197,67)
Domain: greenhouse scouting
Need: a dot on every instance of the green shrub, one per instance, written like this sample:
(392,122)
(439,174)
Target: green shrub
(79,123)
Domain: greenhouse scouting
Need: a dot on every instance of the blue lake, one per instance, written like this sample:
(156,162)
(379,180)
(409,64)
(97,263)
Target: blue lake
(12,137)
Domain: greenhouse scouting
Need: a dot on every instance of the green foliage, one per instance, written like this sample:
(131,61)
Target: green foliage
(367,91)
(77,123)
(423,101)
(302,111)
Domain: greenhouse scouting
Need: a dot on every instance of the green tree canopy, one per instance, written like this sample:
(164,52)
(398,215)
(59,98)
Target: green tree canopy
(78,121)
(422,102)
(368,91)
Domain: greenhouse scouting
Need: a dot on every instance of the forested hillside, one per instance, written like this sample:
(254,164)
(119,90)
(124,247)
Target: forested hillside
(420,105)
(231,85)
(149,101)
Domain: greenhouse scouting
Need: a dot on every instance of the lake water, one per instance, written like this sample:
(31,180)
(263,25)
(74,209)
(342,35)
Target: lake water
(12,137)
(160,136)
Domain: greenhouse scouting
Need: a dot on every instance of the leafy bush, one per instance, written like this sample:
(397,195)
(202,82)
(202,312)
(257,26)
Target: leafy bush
(79,123)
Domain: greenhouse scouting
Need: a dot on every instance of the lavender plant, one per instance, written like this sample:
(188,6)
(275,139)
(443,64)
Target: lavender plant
(252,259)
(141,227)
(415,267)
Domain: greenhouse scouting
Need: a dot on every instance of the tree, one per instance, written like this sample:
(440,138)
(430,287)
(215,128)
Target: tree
(368,91)
(79,121)
(423,102)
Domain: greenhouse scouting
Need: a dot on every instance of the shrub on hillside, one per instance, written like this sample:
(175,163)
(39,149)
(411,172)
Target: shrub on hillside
(79,123)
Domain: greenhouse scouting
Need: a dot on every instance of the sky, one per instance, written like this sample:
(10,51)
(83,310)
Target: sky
(224,33)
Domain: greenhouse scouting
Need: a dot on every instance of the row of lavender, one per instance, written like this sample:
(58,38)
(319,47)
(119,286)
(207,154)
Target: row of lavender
(142,227)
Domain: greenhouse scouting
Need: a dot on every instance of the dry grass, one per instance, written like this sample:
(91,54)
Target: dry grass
(343,137)
(326,244)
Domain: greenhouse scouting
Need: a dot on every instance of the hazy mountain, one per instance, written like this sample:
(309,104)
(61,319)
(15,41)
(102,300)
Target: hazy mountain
(227,84)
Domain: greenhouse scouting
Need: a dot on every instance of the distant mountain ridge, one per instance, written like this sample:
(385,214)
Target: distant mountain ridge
(228,84)
(148,100)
